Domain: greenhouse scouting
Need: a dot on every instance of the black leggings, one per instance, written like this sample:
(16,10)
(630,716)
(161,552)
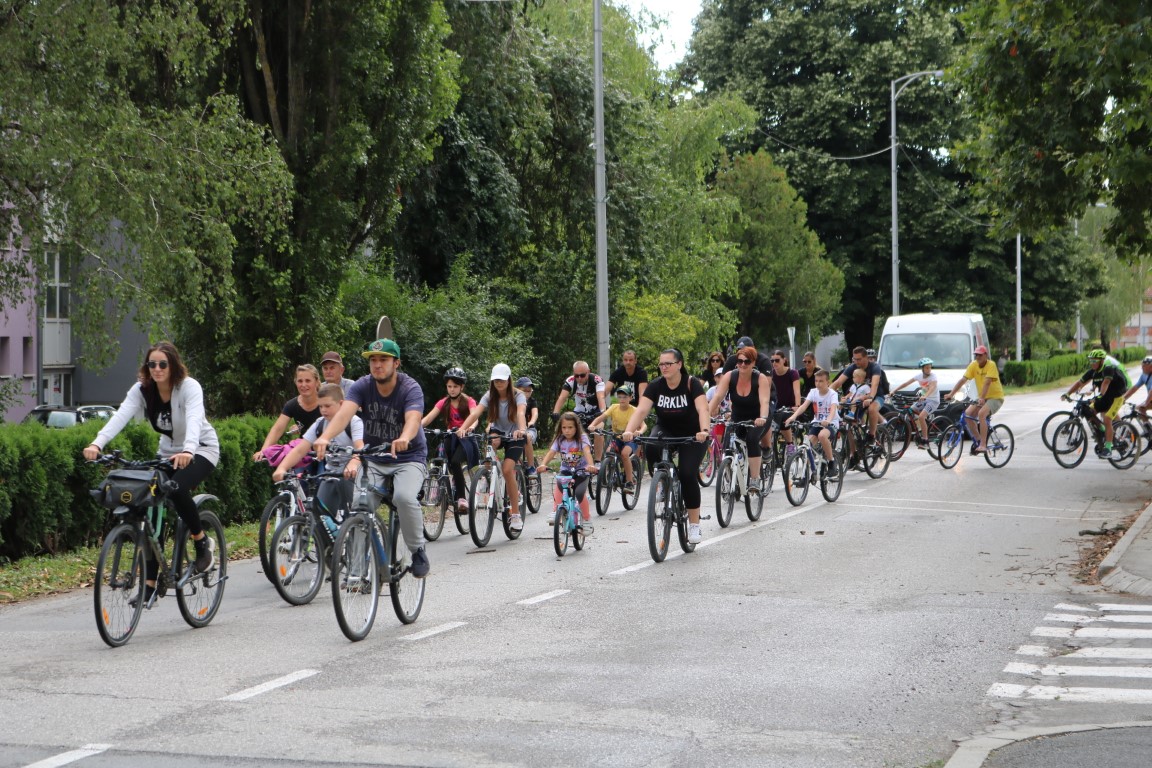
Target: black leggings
(688,469)
(188,478)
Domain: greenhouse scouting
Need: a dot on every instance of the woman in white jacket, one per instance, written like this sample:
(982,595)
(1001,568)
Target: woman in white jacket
(173,403)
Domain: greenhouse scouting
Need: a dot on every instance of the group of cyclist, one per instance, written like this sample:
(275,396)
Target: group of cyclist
(386,406)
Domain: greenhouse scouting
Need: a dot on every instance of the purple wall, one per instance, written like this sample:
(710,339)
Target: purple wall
(18,349)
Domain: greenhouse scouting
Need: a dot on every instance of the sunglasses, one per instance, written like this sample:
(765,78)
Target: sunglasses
(666,365)
(743,361)
(580,375)
(716,360)
(777,360)
(161,364)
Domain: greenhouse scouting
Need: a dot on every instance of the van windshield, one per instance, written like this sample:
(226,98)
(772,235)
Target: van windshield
(946,350)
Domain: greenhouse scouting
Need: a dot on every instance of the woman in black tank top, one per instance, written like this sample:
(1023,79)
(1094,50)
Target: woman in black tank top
(750,392)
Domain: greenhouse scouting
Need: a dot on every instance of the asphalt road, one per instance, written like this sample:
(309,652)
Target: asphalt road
(874,631)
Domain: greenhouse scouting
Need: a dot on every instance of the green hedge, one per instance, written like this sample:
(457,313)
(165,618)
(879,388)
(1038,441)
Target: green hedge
(1042,371)
(44,481)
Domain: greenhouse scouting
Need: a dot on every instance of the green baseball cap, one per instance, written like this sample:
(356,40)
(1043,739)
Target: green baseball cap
(382,347)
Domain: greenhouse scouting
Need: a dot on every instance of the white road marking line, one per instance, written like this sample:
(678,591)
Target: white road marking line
(64,758)
(1094,632)
(731,534)
(435,630)
(1135,618)
(1056,670)
(1140,654)
(279,682)
(980,504)
(1074,695)
(543,597)
(1036,650)
(1121,607)
(1069,607)
(939,510)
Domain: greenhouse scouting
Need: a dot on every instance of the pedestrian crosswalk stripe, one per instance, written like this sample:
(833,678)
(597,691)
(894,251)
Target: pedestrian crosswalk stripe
(1114,633)
(1117,607)
(1074,670)
(1135,618)
(1072,694)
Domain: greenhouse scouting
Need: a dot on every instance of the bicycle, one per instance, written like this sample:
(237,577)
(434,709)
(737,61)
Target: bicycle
(369,552)
(872,453)
(488,498)
(293,496)
(777,452)
(439,491)
(997,451)
(301,546)
(666,500)
(1141,425)
(903,427)
(533,487)
(807,466)
(712,456)
(568,525)
(611,476)
(137,495)
(1070,438)
(732,483)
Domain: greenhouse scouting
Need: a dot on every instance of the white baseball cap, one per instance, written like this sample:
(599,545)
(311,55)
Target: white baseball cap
(501,371)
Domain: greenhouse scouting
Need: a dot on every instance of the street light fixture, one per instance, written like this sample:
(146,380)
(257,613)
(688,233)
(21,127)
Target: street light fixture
(904,82)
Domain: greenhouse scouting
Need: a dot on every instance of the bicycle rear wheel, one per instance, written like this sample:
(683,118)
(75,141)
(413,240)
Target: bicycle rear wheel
(482,507)
(630,497)
(434,505)
(1125,445)
(710,462)
(605,484)
(659,515)
(521,508)
(831,480)
(1001,444)
(951,446)
(1069,443)
(119,578)
(533,491)
(275,511)
(297,559)
(754,503)
(562,530)
(726,492)
(406,590)
(796,477)
(199,598)
(355,581)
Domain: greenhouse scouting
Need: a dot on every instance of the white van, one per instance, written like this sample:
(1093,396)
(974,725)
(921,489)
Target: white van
(948,338)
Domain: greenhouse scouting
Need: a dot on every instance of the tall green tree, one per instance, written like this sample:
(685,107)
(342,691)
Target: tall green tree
(1063,95)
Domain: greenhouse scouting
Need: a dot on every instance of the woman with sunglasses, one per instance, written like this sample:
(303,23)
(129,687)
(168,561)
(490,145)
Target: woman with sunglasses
(681,411)
(712,368)
(751,392)
(173,403)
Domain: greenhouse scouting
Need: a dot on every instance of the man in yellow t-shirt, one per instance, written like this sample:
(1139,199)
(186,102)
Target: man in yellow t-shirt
(989,393)
(620,412)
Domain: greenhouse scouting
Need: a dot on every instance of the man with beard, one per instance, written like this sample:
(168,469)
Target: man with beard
(391,405)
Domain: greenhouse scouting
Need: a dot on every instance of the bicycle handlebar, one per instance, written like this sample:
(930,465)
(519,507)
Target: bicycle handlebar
(664,440)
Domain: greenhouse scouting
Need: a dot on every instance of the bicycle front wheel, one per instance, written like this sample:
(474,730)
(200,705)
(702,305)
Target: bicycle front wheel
(406,590)
(605,484)
(275,512)
(482,507)
(1125,445)
(118,592)
(878,454)
(710,462)
(900,432)
(533,491)
(521,508)
(1001,444)
(355,582)
(297,558)
(754,503)
(199,598)
(796,477)
(659,515)
(434,505)
(936,427)
(1069,443)
(951,446)
(1048,428)
(726,492)
(562,530)
(831,480)
(630,497)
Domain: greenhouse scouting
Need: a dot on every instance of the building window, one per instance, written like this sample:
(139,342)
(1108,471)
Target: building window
(57,286)
(6,356)
(29,356)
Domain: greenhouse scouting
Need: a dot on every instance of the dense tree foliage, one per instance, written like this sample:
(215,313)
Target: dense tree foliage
(1063,93)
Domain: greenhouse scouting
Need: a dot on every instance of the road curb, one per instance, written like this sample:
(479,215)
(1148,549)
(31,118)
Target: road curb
(971,753)
(1110,571)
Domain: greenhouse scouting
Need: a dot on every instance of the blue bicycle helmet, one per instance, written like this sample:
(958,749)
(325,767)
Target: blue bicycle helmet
(925,361)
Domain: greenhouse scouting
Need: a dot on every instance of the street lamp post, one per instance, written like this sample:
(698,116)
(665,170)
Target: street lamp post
(904,82)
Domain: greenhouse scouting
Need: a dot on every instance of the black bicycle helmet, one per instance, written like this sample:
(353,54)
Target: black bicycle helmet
(456,374)
(525,381)
(744,341)
(871,352)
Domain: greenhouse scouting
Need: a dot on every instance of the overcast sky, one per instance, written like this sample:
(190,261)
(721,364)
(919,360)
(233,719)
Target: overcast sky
(679,15)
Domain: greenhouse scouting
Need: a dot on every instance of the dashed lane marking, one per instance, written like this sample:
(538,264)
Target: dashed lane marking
(439,629)
(64,758)
(271,685)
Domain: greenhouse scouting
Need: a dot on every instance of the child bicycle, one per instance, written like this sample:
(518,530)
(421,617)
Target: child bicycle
(569,526)
(666,499)
(872,453)
(732,478)
(488,498)
(293,495)
(440,491)
(140,545)
(611,476)
(368,553)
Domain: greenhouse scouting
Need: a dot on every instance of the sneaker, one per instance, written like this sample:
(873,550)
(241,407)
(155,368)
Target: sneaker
(754,485)
(462,505)
(419,568)
(205,553)
(1102,452)
(149,591)
(515,523)
(530,471)
(790,449)
(629,485)
(694,533)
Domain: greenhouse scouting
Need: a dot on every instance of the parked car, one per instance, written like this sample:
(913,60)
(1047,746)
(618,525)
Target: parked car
(62,416)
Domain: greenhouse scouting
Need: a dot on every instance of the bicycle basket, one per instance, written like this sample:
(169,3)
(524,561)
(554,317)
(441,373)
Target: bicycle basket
(130,488)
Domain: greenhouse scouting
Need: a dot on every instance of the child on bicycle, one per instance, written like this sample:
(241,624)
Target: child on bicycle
(825,400)
(455,409)
(574,448)
(619,413)
(531,416)
(333,494)
(927,401)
